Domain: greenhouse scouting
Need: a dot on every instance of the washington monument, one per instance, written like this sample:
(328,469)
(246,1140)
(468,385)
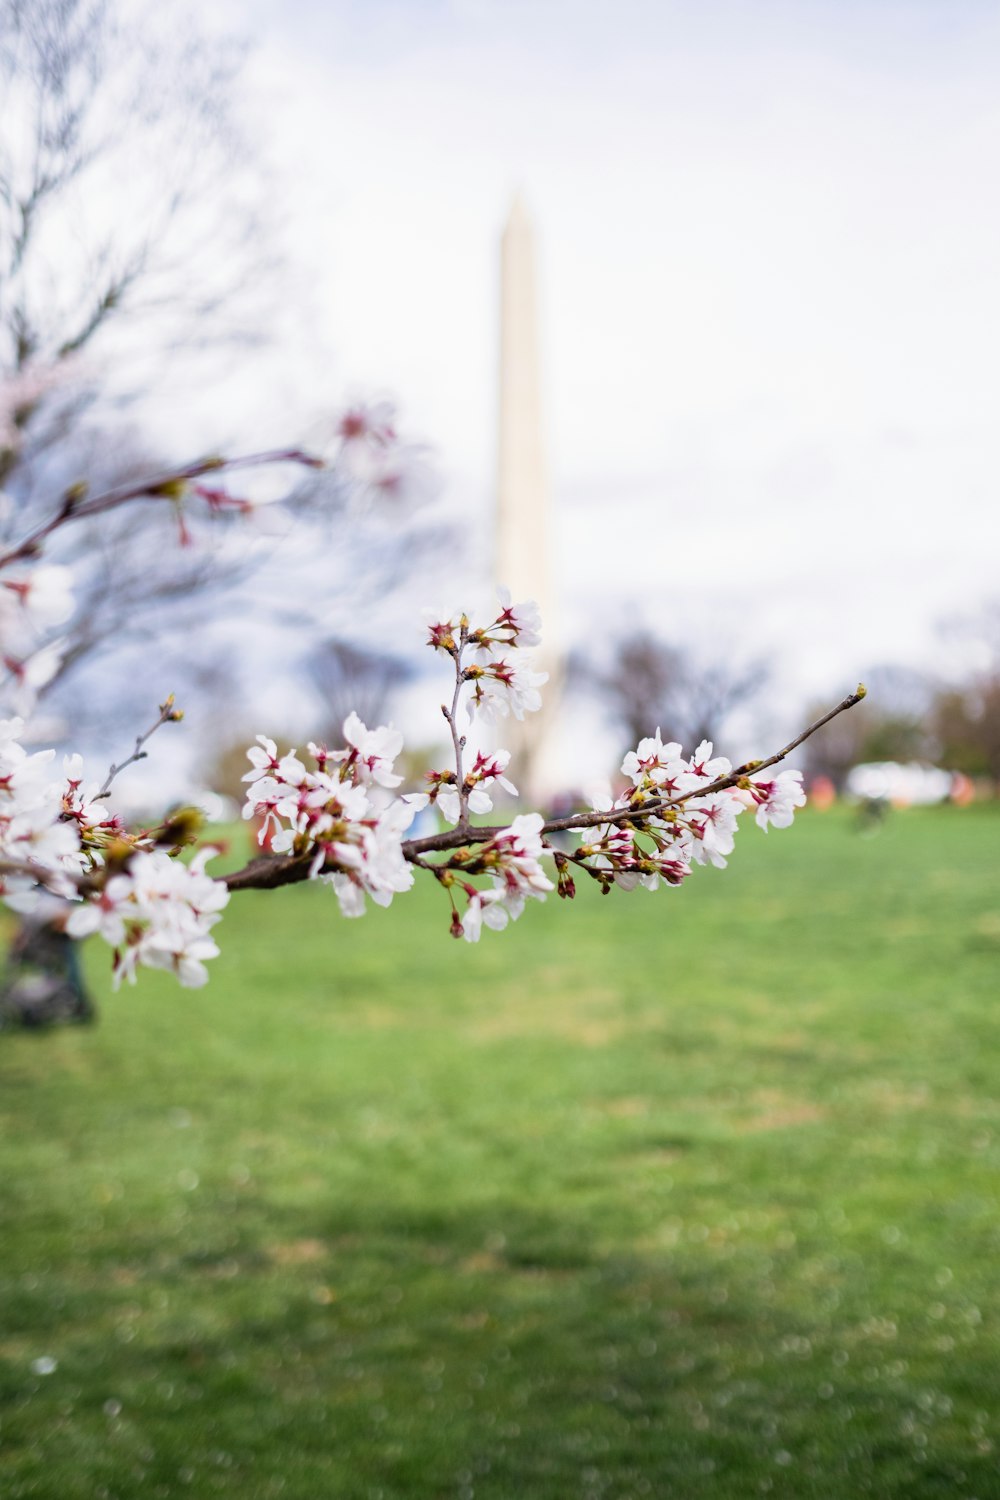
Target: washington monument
(522,534)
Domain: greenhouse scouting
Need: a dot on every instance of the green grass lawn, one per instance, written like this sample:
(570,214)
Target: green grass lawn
(690,1194)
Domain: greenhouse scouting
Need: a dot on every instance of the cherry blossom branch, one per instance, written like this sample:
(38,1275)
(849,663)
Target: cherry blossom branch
(734,778)
(170,485)
(168,715)
(269,871)
(330,822)
(454,837)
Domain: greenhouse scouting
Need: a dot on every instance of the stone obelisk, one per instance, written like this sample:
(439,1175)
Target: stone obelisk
(522,536)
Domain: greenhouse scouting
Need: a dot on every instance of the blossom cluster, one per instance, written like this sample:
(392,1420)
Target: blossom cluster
(512,861)
(478,785)
(59,843)
(332,815)
(329,815)
(493,661)
(38,847)
(158,912)
(673,814)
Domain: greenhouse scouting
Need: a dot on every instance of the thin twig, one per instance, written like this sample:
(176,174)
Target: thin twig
(168,715)
(164,483)
(458,740)
(76,507)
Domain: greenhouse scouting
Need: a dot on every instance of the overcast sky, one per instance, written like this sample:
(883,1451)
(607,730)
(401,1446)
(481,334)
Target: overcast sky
(770,254)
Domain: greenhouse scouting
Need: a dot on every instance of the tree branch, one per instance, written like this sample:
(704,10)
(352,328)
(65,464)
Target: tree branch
(169,485)
(269,871)
(168,715)
(105,305)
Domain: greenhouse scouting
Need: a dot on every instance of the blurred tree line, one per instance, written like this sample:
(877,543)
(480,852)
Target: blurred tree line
(953,723)
(646,681)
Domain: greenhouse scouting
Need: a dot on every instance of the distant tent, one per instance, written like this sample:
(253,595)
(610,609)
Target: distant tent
(912,785)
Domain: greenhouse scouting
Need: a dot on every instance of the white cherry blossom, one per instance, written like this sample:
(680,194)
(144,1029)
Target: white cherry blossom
(158,914)
(507,686)
(184,954)
(516,625)
(103,913)
(263,758)
(489,768)
(484,907)
(653,760)
(370,752)
(778,798)
(524,620)
(709,767)
(487,771)
(712,822)
(515,855)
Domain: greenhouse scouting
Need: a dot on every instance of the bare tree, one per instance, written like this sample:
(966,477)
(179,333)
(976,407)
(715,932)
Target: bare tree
(965,714)
(118,155)
(351,677)
(118,159)
(649,682)
(122,234)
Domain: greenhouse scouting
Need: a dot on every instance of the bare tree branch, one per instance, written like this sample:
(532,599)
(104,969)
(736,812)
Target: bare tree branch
(169,485)
(168,715)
